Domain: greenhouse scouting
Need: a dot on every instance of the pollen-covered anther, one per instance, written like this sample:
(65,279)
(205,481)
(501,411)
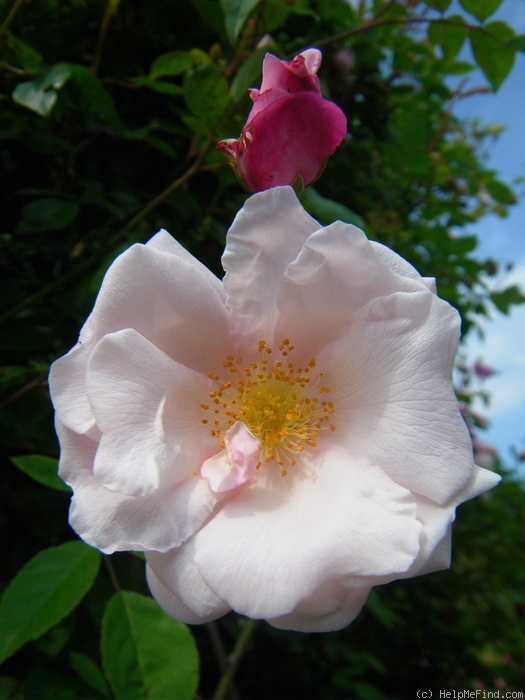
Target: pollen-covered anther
(278,402)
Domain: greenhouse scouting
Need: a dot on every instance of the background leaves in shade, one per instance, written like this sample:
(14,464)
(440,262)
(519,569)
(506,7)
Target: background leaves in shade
(42,469)
(145,652)
(105,104)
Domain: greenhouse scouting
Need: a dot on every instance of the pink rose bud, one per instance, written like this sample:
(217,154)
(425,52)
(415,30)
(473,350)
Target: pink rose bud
(291,130)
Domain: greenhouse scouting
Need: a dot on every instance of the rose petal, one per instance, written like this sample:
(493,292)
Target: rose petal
(393,397)
(166,295)
(336,273)
(330,608)
(481,480)
(129,382)
(237,464)
(334,517)
(179,587)
(113,521)
(400,266)
(170,299)
(260,245)
(292,76)
(67,386)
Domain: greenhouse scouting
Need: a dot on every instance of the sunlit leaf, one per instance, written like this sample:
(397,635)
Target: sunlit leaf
(481,9)
(449,35)
(501,192)
(493,56)
(508,297)
(327,210)
(518,43)
(441,5)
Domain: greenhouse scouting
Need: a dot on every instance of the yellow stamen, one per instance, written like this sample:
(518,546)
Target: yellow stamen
(276,401)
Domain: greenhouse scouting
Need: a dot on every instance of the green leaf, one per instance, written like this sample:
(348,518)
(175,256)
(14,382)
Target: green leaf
(44,591)
(236,12)
(501,192)
(9,688)
(508,297)
(212,15)
(94,98)
(145,652)
(40,95)
(440,5)
(47,214)
(481,9)
(35,97)
(29,58)
(89,672)
(518,43)
(248,73)
(328,211)
(206,93)
(172,63)
(493,57)
(42,469)
(55,639)
(413,127)
(44,684)
(458,67)
(449,36)
(162,86)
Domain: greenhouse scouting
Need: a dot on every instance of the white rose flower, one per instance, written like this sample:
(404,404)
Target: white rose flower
(278,442)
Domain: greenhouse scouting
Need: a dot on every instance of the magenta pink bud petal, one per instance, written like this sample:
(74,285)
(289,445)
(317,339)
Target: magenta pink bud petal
(291,129)
(309,130)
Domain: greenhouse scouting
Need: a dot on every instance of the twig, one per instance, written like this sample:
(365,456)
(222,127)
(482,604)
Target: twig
(100,252)
(218,646)
(11,15)
(33,384)
(111,9)
(112,574)
(374,22)
(235,659)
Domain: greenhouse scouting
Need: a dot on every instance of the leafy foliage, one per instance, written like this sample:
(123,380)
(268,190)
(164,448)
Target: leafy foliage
(110,115)
(146,653)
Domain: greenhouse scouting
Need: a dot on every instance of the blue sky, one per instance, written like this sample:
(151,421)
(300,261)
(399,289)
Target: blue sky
(504,240)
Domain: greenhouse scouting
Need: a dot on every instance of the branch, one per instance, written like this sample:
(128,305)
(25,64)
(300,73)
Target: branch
(235,659)
(405,21)
(111,9)
(112,242)
(11,15)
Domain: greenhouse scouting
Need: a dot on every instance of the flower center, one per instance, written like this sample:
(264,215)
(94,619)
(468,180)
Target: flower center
(282,405)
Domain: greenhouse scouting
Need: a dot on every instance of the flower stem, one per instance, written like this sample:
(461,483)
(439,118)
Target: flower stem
(234,659)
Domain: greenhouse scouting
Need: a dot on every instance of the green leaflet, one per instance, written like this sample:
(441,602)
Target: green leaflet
(145,652)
